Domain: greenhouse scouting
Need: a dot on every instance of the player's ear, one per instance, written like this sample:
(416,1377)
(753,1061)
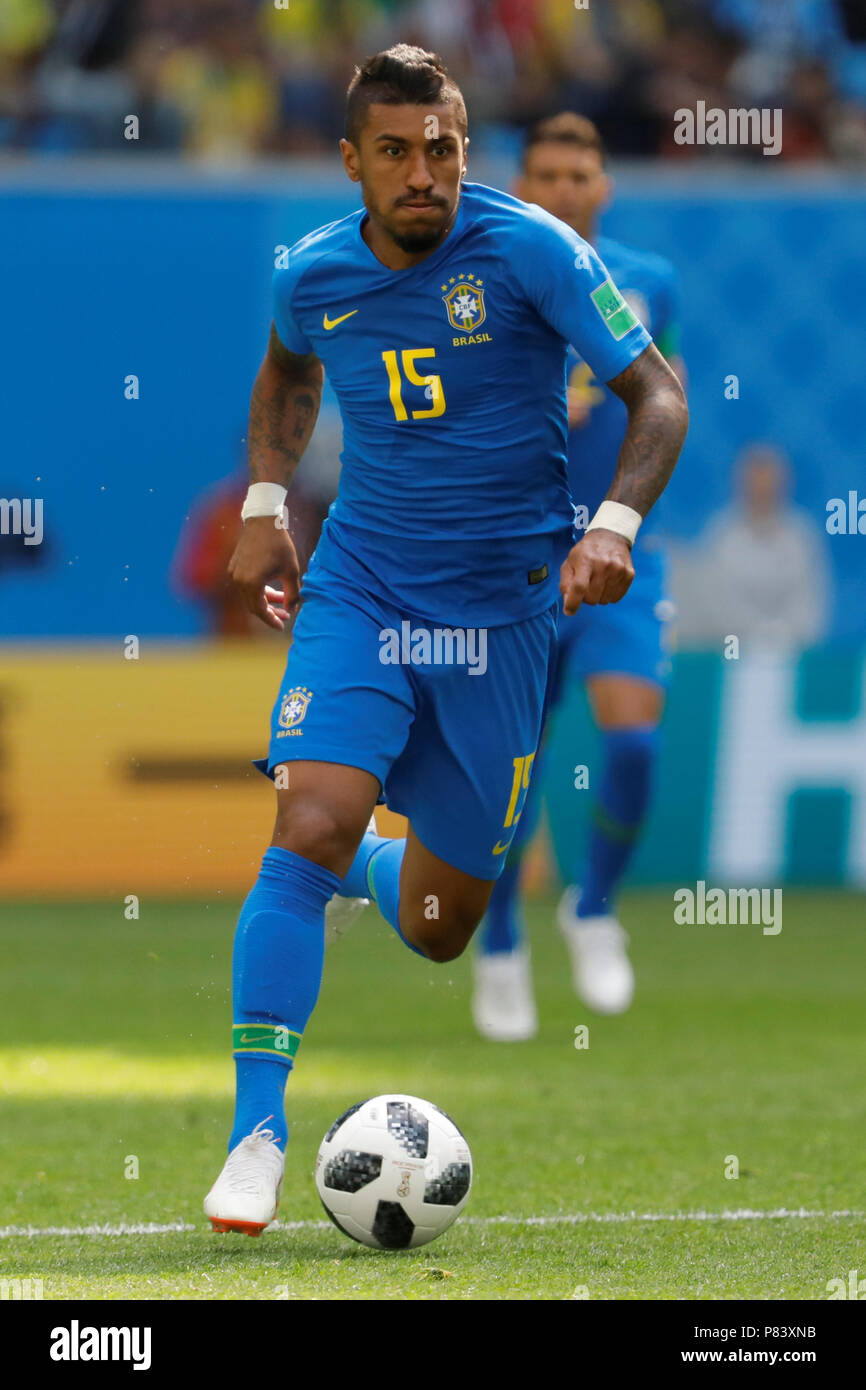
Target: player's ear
(351,160)
(465,148)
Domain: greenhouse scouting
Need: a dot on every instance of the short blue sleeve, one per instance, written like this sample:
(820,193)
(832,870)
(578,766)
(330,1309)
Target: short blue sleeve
(571,289)
(282,290)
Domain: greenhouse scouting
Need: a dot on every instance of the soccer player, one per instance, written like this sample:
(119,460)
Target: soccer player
(424,646)
(620,652)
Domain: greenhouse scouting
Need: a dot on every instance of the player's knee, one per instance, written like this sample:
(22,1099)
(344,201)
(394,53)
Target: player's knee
(315,831)
(442,939)
(442,951)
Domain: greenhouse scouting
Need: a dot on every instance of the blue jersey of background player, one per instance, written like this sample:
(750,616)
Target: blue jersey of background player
(596,417)
(421,657)
(620,652)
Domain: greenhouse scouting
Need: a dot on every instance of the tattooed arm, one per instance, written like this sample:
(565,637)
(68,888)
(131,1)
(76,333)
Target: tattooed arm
(285,403)
(599,568)
(658,418)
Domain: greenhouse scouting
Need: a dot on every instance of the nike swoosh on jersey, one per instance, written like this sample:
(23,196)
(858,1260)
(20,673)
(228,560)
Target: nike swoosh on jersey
(328,324)
(500,849)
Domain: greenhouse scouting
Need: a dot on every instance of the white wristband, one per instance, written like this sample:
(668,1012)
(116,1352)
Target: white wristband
(615,516)
(264,499)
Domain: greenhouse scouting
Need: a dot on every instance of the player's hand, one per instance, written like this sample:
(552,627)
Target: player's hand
(597,570)
(265,552)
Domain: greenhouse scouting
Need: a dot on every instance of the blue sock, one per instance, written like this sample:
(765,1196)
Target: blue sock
(276,975)
(355,884)
(375,873)
(621,804)
(502,928)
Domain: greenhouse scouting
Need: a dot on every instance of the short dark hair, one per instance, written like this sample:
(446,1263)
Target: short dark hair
(568,128)
(396,77)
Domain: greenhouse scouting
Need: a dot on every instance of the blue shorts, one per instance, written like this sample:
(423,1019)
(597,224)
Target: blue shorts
(633,637)
(448,720)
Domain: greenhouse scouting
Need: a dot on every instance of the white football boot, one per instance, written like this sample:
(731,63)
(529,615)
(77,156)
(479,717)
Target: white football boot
(503,1007)
(340,913)
(246,1194)
(601,970)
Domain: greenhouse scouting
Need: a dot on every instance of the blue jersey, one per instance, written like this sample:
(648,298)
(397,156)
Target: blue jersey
(648,285)
(453,499)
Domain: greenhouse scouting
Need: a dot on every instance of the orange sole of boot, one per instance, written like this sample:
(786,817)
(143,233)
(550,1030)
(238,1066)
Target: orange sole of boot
(243,1228)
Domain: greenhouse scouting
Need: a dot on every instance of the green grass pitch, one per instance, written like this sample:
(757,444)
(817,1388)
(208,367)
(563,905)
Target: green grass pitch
(599,1173)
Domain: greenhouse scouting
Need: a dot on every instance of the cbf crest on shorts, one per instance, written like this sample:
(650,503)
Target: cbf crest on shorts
(294,706)
(465,303)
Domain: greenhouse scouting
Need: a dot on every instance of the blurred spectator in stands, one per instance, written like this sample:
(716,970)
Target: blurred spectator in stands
(811,114)
(206,546)
(25,28)
(305,47)
(777,37)
(81,88)
(221,85)
(224,80)
(760,569)
(692,66)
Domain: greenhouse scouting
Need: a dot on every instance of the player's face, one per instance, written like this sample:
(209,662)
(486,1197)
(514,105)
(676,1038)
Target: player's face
(566,181)
(409,163)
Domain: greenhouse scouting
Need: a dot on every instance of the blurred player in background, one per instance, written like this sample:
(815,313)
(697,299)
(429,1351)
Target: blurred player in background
(442,314)
(759,568)
(207,543)
(619,651)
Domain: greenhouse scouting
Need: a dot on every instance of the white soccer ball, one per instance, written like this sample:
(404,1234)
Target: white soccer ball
(394,1172)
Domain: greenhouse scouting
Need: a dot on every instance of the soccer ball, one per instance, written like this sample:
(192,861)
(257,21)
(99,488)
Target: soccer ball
(394,1172)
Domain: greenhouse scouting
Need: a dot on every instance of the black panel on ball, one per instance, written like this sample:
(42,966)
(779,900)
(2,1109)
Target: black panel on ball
(392,1228)
(409,1127)
(450,1187)
(350,1170)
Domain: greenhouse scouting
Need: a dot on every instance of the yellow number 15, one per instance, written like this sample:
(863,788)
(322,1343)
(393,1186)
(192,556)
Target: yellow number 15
(433,383)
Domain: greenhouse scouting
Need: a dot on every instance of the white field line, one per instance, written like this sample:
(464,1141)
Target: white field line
(561,1219)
